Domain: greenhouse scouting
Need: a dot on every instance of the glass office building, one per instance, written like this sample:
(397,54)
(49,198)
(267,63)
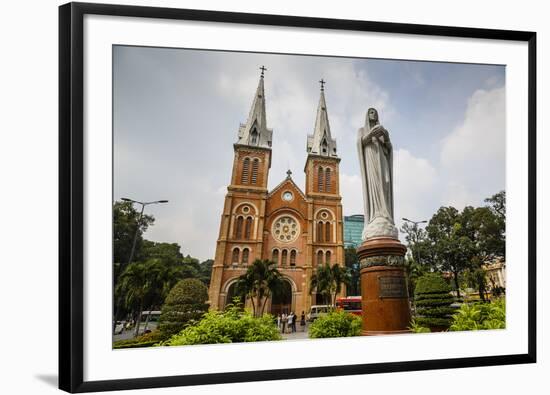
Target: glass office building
(353,228)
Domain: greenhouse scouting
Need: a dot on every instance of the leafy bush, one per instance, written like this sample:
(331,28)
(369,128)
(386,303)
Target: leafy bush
(184,305)
(476,316)
(337,323)
(230,326)
(145,340)
(433,302)
(415,328)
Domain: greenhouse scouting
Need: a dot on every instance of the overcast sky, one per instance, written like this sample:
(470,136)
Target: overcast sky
(177,113)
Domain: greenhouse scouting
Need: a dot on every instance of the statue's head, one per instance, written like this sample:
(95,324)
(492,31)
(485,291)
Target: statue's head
(372,114)
(372,118)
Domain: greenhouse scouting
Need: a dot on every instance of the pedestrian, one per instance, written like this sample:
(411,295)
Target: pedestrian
(289,323)
(294,319)
(303,321)
(279,321)
(283,323)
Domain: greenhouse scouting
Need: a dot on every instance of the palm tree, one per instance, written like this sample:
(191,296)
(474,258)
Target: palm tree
(328,281)
(134,285)
(258,283)
(162,277)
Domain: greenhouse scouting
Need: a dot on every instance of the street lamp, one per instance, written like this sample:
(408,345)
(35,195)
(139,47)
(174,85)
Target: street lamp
(416,234)
(414,222)
(143,204)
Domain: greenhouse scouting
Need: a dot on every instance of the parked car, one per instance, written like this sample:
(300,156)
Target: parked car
(317,311)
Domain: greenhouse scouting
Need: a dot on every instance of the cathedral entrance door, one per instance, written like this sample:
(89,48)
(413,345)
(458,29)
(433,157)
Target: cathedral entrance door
(281,301)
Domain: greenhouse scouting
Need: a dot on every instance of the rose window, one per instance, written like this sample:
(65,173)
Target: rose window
(286,229)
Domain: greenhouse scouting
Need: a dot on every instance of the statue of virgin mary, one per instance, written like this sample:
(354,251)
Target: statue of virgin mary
(376,162)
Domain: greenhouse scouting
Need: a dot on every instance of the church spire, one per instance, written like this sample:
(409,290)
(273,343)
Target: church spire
(255,132)
(321,142)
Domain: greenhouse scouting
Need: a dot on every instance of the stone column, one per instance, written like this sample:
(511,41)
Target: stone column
(384,292)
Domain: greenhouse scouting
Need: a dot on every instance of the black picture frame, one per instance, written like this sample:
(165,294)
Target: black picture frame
(71,204)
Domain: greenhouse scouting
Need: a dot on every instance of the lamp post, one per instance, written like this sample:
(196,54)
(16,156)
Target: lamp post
(414,222)
(415,228)
(143,204)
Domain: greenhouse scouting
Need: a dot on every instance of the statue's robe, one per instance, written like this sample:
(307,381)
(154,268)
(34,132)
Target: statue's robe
(376,162)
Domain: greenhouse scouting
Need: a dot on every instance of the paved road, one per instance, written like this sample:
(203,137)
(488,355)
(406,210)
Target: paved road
(299,334)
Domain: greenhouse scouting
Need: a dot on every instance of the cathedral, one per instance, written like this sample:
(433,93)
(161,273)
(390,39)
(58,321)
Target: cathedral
(296,229)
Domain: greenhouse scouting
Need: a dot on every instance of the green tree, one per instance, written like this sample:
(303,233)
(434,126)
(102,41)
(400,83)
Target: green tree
(133,289)
(329,280)
(185,303)
(205,271)
(258,283)
(125,225)
(433,302)
(354,269)
(497,203)
(419,256)
(452,249)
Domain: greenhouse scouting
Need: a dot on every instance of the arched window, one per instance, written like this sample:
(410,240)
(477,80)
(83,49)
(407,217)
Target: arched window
(327,256)
(245,256)
(275,256)
(239,228)
(255,165)
(319,258)
(319,232)
(320,179)
(248,228)
(328,237)
(244,174)
(324,147)
(254,137)
(293,258)
(235,256)
(327,180)
(283,257)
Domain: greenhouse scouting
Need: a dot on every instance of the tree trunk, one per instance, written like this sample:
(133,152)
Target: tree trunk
(263,307)
(455,275)
(253,306)
(138,320)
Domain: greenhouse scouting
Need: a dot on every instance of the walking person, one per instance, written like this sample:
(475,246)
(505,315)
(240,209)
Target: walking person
(283,323)
(279,321)
(294,319)
(289,323)
(303,321)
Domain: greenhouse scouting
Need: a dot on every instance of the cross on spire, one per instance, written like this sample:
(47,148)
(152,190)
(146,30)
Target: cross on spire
(263,68)
(322,82)
(288,173)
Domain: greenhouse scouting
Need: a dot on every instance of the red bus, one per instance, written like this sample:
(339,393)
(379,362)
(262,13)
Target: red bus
(350,304)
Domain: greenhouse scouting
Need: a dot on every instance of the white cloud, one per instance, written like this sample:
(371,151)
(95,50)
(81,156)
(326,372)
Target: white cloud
(473,155)
(415,187)
(352,193)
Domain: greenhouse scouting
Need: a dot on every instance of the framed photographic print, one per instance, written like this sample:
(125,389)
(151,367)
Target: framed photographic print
(250,197)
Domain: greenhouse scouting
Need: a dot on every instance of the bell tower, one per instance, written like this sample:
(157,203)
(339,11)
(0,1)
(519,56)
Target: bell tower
(240,238)
(325,229)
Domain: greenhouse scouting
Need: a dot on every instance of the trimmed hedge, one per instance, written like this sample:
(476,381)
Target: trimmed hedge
(184,305)
(145,340)
(433,302)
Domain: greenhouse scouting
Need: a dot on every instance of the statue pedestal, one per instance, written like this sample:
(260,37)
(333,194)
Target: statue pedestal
(384,292)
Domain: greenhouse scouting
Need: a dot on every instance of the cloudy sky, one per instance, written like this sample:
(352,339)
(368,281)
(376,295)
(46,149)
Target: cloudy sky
(177,113)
